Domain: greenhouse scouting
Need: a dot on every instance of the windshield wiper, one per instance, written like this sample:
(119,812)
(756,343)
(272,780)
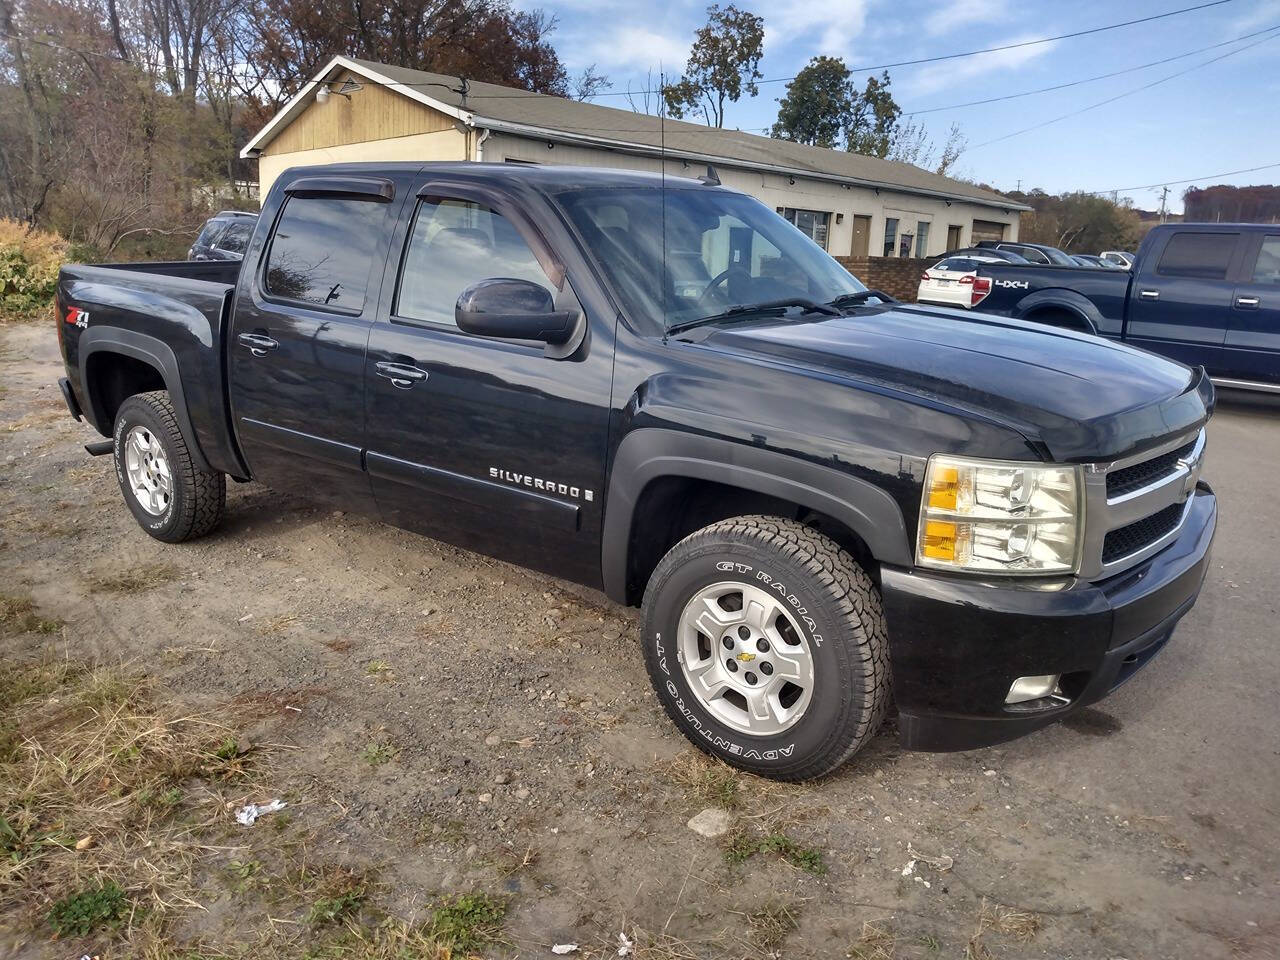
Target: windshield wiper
(757,309)
(859,298)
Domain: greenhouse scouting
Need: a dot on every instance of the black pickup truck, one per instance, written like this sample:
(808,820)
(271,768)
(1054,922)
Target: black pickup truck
(824,500)
(1206,294)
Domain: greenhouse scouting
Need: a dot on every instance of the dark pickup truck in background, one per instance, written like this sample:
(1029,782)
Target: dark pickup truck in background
(824,499)
(1207,294)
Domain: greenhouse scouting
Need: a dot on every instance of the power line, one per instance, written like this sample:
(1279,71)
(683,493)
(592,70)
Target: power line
(1101,76)
(1121,96)
(955,56)
(1178,183)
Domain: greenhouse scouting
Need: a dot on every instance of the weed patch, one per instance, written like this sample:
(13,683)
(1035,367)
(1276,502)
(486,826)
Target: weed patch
(740,846)
(80,914)
(144,576)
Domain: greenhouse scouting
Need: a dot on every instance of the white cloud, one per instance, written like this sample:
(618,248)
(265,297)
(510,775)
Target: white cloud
(826,26)
(626,48)
(1265,13)
(947,73)
(957,15)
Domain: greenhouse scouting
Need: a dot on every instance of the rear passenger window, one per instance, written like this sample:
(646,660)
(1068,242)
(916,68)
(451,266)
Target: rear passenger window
(1267,269)
(454,244)
(1205,256)
(321,251)
(236,237)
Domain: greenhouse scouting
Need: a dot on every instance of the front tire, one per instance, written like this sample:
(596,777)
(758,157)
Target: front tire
(170,497)
(767,645)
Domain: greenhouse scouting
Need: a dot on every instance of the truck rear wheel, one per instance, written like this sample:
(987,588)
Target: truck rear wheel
(171,498)
(766,643)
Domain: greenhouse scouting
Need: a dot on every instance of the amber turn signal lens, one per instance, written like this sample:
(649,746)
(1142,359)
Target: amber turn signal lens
(944,485)
(939,540)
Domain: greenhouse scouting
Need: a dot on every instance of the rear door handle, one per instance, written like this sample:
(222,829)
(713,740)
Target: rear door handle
(1150,294)
(401,375)
(1247,303)
(258,344)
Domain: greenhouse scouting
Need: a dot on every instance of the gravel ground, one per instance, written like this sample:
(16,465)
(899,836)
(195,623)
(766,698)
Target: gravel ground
(456,723)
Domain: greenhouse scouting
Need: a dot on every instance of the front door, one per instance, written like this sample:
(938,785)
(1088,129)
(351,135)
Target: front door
(298,339)
(485,443)
(1252,348)
(1180,301)
(861,244)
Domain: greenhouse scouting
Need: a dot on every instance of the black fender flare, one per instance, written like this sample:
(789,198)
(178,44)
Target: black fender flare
(152,351)
(649,453)
(1076,304)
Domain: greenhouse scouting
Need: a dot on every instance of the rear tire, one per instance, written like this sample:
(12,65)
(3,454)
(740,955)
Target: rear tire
(170,497)
(767,646)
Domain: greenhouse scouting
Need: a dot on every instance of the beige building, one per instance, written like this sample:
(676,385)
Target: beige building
(850,204)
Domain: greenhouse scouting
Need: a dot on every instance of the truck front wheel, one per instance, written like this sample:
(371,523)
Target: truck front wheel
(766,644)
(170,497)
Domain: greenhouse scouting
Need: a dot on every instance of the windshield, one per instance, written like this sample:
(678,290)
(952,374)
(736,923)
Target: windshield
(723,250)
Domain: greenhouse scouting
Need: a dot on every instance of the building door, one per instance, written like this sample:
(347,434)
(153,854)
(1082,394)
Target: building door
(953,236)
(987,230)
(861,245)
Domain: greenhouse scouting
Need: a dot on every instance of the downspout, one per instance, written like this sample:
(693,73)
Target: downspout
(485,134)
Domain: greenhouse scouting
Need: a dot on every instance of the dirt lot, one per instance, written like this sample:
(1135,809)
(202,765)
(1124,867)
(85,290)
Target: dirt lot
(444,726)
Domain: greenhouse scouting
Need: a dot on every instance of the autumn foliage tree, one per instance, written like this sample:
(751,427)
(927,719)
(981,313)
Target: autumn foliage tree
(724,63)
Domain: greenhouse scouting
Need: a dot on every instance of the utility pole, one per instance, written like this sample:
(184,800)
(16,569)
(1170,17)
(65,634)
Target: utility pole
(1164,197)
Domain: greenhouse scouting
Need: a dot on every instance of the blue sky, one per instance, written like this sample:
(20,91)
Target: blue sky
(1218,118)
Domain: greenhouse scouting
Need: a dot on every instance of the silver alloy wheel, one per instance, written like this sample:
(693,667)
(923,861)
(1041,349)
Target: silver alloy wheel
(147,467)
(745,659)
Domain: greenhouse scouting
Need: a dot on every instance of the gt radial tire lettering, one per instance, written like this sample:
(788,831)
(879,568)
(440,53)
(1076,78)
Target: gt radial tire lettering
(722,743)
(801,611)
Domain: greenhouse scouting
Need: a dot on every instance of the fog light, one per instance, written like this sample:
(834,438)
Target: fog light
(1032,688)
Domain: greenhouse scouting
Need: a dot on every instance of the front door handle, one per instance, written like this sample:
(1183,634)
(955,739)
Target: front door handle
(1247,303)
(401,375)
(1150,294)
(257,343)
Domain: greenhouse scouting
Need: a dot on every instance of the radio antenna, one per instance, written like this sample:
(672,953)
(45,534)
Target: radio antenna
(662,167)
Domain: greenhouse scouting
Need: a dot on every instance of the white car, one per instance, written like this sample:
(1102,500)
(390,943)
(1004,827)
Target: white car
(1120,258)
(950,282)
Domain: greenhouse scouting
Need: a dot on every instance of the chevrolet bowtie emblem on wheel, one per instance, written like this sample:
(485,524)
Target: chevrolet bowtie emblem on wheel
(746,657)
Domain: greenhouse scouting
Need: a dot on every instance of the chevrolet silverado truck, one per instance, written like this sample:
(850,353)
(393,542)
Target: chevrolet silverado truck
(825,501)
(1206,294)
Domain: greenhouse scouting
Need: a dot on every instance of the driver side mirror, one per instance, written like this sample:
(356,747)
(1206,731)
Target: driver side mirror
(515,310)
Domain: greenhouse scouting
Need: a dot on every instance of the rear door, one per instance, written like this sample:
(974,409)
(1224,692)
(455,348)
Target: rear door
(1180,300)
(300,330)
(487,443)
(1252,348)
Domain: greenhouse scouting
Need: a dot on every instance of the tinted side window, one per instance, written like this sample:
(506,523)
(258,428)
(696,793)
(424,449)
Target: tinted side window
(236,237)
(1267,269)
(454,244)
(321,250)
(207,234)
(1205,256)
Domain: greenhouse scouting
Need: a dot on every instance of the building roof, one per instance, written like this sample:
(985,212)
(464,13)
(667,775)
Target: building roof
(557,119)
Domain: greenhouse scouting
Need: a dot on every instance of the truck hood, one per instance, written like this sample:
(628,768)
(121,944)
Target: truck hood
(1075,396)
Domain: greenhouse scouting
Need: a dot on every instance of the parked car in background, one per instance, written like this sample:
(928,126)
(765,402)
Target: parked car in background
(949,282)
(1008,256)
(1207,294)
(1121,258)
(1034,252)
(1085,260)
(825,500)
(224,236)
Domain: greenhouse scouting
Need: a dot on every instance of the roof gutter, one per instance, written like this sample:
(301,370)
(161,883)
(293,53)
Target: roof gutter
(644,149)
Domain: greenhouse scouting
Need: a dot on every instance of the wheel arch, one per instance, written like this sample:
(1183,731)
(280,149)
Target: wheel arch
(131,363)
(654,468)
(1078,307)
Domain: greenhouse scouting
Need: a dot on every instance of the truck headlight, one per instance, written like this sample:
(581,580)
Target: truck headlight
(1002,517)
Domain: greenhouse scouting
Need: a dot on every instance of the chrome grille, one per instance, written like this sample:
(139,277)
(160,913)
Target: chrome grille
(1134,507)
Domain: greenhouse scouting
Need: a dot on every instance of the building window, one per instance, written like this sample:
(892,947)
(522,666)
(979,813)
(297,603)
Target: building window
(890,235)
(922,238)
(812,223)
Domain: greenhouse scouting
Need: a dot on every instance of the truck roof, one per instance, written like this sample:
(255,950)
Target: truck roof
(550,177)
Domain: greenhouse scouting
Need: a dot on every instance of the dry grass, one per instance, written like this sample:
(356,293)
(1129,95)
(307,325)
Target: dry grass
(876,942)
(18,615)
(144,576)
(99,787)
(1019,925)
(706,781)
(772,923)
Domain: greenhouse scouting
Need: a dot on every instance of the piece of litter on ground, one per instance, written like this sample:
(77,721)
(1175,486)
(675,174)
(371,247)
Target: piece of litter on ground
(563,948)
(250,812)
(294,709)
(246,618)
(942,862)
(909,869)
(625,945)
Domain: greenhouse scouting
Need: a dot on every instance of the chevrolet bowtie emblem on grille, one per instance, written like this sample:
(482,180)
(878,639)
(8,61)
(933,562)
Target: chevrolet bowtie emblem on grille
(746,657)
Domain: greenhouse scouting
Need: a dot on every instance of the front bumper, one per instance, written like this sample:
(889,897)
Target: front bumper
(956,644)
